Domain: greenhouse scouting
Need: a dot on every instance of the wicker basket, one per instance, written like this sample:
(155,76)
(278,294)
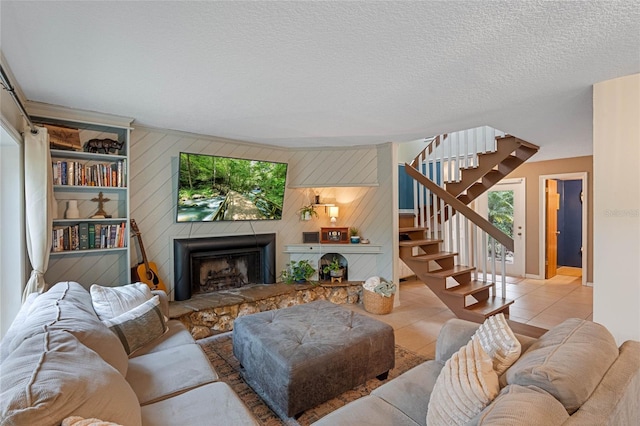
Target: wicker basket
(376,303)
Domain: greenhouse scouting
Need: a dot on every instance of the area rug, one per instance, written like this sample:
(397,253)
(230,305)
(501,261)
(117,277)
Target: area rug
(219,350)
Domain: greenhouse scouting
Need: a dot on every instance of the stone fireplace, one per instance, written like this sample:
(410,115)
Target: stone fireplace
(209,264)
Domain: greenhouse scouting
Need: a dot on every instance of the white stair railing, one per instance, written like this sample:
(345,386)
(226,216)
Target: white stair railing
(441,161)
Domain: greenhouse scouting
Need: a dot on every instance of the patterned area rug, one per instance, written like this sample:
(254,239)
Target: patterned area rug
(219,350)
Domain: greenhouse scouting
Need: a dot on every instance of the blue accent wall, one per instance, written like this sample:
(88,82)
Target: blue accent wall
(570,223)
(405,184)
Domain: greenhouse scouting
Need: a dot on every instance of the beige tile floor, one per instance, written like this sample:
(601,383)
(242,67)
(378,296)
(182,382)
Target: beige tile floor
(542,303)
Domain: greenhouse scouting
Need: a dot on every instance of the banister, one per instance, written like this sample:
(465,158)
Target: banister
(459,206)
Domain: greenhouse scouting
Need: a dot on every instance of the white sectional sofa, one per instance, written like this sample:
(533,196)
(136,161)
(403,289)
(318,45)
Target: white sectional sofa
(58,360)
(572,375)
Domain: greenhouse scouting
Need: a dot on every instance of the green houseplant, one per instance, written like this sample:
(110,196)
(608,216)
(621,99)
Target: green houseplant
(307,212)
(297,272)
(354,234)
(334,269)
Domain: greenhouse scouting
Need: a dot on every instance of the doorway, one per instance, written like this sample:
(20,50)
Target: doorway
(563,225)
(504,206)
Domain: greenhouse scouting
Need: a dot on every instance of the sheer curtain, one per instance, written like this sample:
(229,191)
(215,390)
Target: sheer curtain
(39,205)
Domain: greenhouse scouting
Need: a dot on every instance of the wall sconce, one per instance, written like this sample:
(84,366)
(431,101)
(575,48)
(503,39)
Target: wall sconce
(333,213)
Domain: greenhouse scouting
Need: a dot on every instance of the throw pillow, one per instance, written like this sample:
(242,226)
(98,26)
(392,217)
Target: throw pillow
(466,384)
(140,325)
(52,376)
(521,406)
(109,302)
(499,342)
(568,361)
(81,421)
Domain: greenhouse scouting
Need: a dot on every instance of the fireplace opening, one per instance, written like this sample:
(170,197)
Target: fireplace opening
(204,265)
(215,271)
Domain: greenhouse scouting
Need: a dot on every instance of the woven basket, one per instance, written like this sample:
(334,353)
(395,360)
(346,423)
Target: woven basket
(376,303)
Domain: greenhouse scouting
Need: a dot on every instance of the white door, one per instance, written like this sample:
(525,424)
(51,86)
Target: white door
(504,206)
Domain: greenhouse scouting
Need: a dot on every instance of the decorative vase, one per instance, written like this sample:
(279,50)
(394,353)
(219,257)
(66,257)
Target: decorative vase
(336,274)
(72,211)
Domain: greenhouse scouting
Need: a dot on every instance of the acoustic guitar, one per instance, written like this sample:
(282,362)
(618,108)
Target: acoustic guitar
(146,272)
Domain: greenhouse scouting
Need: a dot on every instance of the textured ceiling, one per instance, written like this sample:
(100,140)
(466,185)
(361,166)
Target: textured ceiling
(328,73)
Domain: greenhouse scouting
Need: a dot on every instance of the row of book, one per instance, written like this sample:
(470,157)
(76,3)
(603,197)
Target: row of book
(78,174)
(87,236)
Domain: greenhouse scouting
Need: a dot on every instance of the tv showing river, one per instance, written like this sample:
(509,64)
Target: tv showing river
(213,188)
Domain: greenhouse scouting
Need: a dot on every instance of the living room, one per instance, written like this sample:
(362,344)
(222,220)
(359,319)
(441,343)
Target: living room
(360,177)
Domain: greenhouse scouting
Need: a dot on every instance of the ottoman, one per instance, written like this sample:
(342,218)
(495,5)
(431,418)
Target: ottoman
(296,358)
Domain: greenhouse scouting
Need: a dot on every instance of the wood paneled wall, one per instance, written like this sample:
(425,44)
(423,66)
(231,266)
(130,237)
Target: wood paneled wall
(350,177)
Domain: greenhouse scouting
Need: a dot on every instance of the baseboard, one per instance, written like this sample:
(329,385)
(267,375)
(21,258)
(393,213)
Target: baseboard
(533,276)
(588,284)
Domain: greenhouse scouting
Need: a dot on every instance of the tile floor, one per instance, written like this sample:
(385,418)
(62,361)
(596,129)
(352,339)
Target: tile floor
(542,303)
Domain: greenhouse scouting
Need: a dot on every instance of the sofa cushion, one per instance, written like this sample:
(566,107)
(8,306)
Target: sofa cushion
(370,411)
(159,375)
(521,406)
(109,302)
(499,342)
(51,376)
(568,361)
(410,392)
(212,404)
(67,307)
(466,384)
(139,326)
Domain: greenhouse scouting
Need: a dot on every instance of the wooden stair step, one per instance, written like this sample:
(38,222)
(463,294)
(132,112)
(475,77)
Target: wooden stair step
(435,256)
(418,243)
(411,229)
(470,288)
(509,164)
(456,270)
(491,306)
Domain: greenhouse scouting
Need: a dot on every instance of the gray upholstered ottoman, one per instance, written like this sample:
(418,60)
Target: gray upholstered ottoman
(298,357)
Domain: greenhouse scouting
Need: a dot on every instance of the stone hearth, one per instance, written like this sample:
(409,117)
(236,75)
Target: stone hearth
(207,314)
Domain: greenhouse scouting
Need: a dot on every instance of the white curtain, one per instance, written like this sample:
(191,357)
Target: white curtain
(39,206)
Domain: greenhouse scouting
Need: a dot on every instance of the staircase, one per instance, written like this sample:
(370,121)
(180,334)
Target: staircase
(447,244)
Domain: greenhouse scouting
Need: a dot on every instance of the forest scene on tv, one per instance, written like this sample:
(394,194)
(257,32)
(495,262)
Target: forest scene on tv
(212,188)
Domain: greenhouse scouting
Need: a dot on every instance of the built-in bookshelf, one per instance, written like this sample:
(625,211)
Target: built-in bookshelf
(90,230)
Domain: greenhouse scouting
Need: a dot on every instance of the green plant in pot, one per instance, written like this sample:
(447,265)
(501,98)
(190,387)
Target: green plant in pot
(354,234)
(334,269)
(297,272)
(307,212)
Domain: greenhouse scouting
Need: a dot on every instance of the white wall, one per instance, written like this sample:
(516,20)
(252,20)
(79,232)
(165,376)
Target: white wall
(616,159)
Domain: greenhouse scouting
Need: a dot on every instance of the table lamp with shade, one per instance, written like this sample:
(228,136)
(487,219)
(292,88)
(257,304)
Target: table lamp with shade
(333,213)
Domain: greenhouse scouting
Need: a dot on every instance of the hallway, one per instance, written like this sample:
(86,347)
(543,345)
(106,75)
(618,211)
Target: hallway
(542,303)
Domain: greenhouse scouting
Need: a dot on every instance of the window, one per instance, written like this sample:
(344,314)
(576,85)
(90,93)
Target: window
(12,240)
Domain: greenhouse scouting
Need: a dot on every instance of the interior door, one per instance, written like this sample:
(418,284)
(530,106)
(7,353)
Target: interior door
(504,206)
(552,203)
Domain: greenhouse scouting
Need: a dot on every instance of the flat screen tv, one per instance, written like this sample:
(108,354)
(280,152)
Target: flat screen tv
(213,188)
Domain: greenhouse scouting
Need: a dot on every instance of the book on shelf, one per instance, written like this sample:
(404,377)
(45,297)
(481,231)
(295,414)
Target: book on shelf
(92,236)
(74,173)
(85,236)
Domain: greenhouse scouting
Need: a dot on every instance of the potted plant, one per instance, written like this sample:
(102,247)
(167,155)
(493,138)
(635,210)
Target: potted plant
(378,295)
(334,269)
(353,233)
(297,272)
(307,212)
